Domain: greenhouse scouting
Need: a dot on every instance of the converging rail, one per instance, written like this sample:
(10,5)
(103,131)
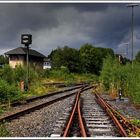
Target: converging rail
(52,99)
(76,109)
(121,122)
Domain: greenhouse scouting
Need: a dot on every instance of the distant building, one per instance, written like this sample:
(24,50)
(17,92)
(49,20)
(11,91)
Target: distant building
(17,56)
(47,64)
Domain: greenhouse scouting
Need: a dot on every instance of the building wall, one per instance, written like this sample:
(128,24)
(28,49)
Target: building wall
(34,62)
(15,60)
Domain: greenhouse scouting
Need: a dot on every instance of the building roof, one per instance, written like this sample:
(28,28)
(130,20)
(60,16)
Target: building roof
(22,50)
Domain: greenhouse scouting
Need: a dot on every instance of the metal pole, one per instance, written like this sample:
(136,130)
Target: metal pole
(132,32)
(27,65)
(132,27)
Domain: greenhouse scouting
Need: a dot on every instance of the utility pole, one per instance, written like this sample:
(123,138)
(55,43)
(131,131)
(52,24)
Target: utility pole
(132,28)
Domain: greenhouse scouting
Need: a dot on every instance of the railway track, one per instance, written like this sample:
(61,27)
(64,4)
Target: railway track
(31,99)
(44,100)
(124,126)
(91,116)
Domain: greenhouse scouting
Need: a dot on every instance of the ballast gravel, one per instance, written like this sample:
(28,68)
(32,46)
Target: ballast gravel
(39,123)
(124,106)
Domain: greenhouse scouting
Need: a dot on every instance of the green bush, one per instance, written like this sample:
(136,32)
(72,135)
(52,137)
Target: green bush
(8,92)
(116,75)
(33,75)
(7,74)
(19,73)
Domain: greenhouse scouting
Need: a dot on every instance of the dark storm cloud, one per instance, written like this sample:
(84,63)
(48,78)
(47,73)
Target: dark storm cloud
(52,25)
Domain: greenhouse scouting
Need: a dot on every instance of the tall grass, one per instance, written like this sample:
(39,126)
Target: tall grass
(115,75)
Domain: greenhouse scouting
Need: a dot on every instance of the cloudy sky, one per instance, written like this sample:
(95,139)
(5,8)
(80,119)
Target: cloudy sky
(58,24)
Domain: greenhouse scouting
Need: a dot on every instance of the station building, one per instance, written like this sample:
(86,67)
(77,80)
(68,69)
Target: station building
(18,55)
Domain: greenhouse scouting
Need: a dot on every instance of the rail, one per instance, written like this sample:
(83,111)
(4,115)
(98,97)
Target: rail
(121,122)
(77,108)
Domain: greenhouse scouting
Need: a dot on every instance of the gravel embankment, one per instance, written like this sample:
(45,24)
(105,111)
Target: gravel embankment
(124,107)
(39,123)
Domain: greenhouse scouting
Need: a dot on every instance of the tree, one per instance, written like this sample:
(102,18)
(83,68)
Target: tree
(3,59)
(68,57)
(88,59)
(92,58)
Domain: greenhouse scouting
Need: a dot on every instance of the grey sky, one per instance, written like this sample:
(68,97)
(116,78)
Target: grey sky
(53,25)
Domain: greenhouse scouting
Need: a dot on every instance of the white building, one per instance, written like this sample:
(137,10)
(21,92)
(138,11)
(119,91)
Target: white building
(47,64)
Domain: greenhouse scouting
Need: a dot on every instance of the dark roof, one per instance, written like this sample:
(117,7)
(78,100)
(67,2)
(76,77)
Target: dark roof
(22,50)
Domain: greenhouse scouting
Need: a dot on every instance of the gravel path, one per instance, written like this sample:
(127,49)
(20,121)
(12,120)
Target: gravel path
(39,123)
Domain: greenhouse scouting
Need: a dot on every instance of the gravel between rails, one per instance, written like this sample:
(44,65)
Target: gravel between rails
(98,123)
(30,104)
(39,123)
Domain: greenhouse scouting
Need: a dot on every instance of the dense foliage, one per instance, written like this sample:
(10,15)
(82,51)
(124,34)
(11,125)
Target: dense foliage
(88,59)
(8,92)
(10,82)
(115,75)
(3,59)
(68,57)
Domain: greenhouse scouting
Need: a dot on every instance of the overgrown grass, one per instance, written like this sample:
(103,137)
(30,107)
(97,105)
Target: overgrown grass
(63,75)
(38,88)
(115,76)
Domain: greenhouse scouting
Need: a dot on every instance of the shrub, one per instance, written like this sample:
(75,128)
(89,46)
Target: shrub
(8,92)
(7,74)
(115,75)
(19,73)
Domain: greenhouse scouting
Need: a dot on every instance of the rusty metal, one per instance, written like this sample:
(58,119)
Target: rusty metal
(67,129)
(71,118)
(81,124)
(14,115)
(124,121)
(32,108)
(111,114)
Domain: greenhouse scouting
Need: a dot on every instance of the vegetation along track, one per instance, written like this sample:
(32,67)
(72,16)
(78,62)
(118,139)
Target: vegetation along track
(43,101)
(91,116)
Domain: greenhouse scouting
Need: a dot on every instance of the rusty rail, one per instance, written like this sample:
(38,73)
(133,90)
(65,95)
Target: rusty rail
(76,107)
(124,121)
(103,104)
(121,122)
(14,115)
(81,124)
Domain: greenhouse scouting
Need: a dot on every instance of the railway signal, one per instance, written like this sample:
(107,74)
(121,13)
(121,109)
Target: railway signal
(26,39)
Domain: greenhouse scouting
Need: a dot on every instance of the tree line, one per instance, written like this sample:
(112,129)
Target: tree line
(87,59)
